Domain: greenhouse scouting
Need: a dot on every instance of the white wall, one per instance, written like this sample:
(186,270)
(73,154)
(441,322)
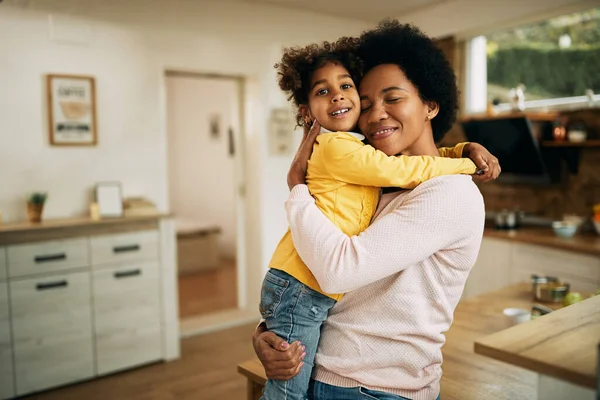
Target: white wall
(128,47)
(127,104)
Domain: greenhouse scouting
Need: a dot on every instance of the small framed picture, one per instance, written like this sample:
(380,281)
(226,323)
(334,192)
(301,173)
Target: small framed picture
(72,110)
(109,199)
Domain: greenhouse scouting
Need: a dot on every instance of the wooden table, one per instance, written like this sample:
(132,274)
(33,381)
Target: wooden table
(467,376)
(562,345)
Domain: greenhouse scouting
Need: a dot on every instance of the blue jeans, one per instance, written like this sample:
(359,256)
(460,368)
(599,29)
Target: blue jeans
(294,312)
(322,391)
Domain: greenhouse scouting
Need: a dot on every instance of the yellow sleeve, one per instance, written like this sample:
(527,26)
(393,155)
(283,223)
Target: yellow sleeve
(350,161)
(453,152)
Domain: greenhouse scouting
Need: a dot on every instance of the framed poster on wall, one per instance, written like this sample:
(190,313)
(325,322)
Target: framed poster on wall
(72,110)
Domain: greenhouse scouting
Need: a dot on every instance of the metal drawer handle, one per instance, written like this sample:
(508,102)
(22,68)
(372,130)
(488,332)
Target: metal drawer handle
(51,257)
(126,274)
(124,249)
(51,285)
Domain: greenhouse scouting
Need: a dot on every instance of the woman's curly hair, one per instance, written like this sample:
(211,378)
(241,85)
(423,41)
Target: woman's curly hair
(423,63)
(297,65)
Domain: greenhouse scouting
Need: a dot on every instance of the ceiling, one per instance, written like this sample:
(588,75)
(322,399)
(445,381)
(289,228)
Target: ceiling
(366,10)
(438,18)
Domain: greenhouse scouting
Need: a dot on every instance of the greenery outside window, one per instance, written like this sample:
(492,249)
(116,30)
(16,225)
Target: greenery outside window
(556,60)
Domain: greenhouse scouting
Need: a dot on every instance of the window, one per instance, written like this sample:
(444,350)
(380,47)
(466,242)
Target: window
(556,60)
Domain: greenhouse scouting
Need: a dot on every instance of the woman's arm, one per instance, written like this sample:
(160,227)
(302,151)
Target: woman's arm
(438,214)
(281,360)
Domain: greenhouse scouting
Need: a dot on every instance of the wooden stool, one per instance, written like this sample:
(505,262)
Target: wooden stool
(255,373)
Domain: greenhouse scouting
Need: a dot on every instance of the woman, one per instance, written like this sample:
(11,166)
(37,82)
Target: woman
(406,272)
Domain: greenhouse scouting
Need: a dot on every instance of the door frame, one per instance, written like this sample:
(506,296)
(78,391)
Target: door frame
(207,324)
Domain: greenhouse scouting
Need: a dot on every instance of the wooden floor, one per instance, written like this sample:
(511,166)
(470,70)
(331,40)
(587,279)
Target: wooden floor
(206,371)
(208,291)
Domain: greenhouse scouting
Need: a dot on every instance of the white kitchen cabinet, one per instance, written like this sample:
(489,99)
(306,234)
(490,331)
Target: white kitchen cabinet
(127,316)
(504,262)
(7,389)
(122,248)
(580,270)
(52,330)
(3,272)
(83,299)
(492,269)
(45,257)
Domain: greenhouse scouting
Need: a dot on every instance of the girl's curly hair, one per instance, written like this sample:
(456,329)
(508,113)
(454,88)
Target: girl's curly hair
(297,65)
(423,63)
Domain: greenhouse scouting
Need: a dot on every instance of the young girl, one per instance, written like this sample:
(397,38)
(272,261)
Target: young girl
(344,176)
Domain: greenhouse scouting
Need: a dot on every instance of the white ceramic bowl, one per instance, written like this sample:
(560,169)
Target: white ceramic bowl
(518,315)
(564,229)
(577,136)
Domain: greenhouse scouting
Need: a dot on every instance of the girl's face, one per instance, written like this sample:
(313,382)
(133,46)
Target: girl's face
(333,99)
(393,117)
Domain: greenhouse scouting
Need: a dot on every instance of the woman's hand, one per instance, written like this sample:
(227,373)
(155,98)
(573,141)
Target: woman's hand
(484,160)
(297,172)
(281,360)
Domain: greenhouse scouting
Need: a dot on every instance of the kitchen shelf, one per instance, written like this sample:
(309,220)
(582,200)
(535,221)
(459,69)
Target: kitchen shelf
(532,116)
(588,143)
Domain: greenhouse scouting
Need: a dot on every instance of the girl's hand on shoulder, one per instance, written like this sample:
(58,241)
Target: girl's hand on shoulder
(488,165)
(297,172)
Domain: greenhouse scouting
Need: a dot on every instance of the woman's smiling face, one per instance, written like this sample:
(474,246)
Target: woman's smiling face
(393,116)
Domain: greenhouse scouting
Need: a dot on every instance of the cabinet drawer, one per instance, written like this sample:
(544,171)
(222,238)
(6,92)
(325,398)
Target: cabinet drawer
(54,256)
(6,356)
(563,264)
(3,272)
(52,331)
(127,316)
(109,249)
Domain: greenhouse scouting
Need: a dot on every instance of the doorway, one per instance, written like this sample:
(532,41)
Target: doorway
(205,188)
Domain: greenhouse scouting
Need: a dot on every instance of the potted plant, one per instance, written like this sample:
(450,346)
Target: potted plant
(35,206)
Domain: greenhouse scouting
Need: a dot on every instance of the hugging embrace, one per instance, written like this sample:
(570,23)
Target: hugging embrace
(384,226)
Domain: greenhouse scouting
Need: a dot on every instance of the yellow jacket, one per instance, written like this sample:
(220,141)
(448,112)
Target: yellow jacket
(345,176)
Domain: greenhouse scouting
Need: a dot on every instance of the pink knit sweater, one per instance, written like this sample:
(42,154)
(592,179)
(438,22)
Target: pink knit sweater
(405,275)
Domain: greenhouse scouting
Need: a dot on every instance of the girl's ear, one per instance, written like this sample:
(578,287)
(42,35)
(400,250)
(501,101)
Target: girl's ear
(432,110)
(306,115)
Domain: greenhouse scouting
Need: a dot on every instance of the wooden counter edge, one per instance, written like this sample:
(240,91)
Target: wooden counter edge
(68,228)
(484,347)
(13,227)
(534,365)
